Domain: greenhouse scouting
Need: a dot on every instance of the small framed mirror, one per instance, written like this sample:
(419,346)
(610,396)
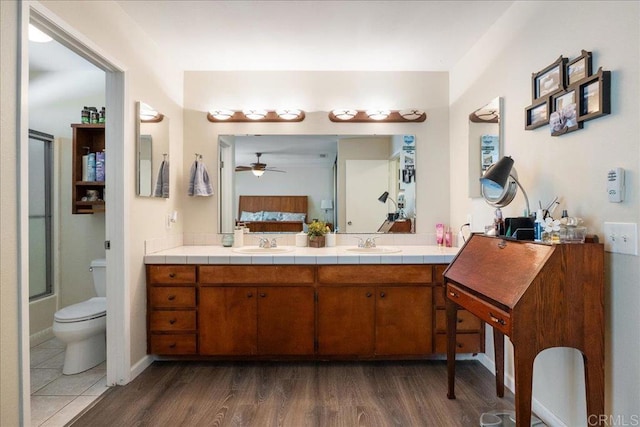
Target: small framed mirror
(152,152)
(485,142)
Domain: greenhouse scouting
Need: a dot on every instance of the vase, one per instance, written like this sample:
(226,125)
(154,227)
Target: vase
(316,241)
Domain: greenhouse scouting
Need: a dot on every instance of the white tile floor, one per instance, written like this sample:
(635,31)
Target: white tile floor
(56,398)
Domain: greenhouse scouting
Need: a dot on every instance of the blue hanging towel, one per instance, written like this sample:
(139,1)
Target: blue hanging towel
(162,183)
(199,182)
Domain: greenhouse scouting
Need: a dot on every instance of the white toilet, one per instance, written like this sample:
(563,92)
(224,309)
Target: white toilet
(82,327)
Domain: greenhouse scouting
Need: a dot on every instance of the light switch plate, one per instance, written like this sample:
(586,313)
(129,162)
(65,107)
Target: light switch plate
(621,237)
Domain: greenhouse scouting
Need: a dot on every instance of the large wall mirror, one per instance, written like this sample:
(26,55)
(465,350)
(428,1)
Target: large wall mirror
(485,141)
(341,180)
(152,152)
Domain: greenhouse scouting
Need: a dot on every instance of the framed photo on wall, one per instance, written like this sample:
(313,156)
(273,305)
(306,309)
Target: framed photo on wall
(595,96)
(549,80)
(537,115)
(579,68)
(564,112)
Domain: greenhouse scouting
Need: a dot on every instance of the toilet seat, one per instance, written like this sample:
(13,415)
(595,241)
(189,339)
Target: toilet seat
(86,310)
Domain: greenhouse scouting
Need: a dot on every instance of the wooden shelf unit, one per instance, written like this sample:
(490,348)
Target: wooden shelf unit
(92,136)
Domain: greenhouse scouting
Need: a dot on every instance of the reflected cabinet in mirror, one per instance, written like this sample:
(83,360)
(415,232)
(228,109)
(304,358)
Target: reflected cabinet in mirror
(152,138)
(281,183)
(485,142)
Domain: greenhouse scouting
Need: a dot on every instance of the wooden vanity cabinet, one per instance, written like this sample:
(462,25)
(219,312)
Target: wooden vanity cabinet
(304,311)
(374,310)
(171,309)
(256,310)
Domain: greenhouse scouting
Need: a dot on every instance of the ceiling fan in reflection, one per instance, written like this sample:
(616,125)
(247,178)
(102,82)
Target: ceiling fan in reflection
(257,168)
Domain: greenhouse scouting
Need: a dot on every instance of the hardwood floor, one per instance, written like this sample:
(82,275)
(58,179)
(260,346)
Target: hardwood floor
(298,394)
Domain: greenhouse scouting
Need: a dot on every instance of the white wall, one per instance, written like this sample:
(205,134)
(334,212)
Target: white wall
(317,93)
(530,36)
(10,364)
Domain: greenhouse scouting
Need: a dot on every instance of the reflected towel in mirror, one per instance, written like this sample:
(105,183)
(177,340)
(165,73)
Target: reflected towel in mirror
(162,183)
(199,183)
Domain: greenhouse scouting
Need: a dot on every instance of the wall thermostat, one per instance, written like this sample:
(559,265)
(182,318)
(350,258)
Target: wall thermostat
(615,185)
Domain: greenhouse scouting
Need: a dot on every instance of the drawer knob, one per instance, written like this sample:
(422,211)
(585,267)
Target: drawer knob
(172,321)
(458,345)
(171,297)
(262,295)
(249,294)
(460,320)
(172,275)
(495,319)
(382,294)
(172,345)
(368,294)
(453,294)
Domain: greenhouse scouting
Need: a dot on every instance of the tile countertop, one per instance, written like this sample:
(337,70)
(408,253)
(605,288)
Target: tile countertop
(408,254)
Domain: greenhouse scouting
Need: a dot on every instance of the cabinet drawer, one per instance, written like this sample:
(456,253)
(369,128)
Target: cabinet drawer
(171,274)
(172,320)
(465,343)
(466,321)
(489,313)
(173,344)
(172,297)
(256,274)
(375,274)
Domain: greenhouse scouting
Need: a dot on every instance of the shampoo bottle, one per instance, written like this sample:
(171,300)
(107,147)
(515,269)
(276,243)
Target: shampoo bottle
(537,226)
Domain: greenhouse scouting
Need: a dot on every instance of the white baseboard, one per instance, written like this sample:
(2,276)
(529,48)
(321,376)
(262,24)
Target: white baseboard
(539,409)
(140,366)
(40,337)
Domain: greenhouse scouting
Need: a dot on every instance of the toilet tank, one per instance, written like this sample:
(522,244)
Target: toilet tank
(99,272)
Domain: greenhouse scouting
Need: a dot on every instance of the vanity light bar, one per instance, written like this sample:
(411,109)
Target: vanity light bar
(256,115)
(377,116)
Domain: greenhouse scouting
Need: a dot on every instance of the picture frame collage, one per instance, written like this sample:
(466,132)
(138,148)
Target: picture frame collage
(565,94)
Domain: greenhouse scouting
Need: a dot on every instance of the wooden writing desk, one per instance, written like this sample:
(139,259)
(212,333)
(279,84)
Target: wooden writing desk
(540,296)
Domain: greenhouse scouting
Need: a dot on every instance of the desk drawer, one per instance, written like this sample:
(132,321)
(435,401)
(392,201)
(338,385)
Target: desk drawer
(489,313)
(173,320)
(172,297)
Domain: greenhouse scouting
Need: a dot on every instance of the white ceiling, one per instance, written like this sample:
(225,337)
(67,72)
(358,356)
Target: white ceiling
(315,35)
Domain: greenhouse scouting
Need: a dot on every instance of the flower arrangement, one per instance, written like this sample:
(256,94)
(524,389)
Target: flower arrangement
(318,228)
(316,232)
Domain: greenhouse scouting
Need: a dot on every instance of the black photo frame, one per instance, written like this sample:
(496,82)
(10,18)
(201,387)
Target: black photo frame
(579,68)
(537,114)
(549,80)
(594,95)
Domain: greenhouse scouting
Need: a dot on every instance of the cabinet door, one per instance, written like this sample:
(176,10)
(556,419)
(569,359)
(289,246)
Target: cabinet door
(403,320)
(285,320)
(346,320)
(227,319)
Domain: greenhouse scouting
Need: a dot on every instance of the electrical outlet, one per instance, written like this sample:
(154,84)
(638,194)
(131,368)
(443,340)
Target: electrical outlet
(621,238)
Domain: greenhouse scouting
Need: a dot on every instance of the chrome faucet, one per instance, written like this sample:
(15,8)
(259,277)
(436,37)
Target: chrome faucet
(369,242)
(264,242)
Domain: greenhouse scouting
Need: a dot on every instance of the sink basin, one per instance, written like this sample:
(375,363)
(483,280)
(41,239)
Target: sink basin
(376,251)
(258,250)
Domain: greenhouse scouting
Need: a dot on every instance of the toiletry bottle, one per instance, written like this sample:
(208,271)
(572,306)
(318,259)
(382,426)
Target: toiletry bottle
(85,115)
(537,226)
(238,237)
(102,118)
(439,234)
(448,238)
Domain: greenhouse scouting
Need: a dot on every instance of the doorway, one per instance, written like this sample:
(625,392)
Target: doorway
(118,366)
